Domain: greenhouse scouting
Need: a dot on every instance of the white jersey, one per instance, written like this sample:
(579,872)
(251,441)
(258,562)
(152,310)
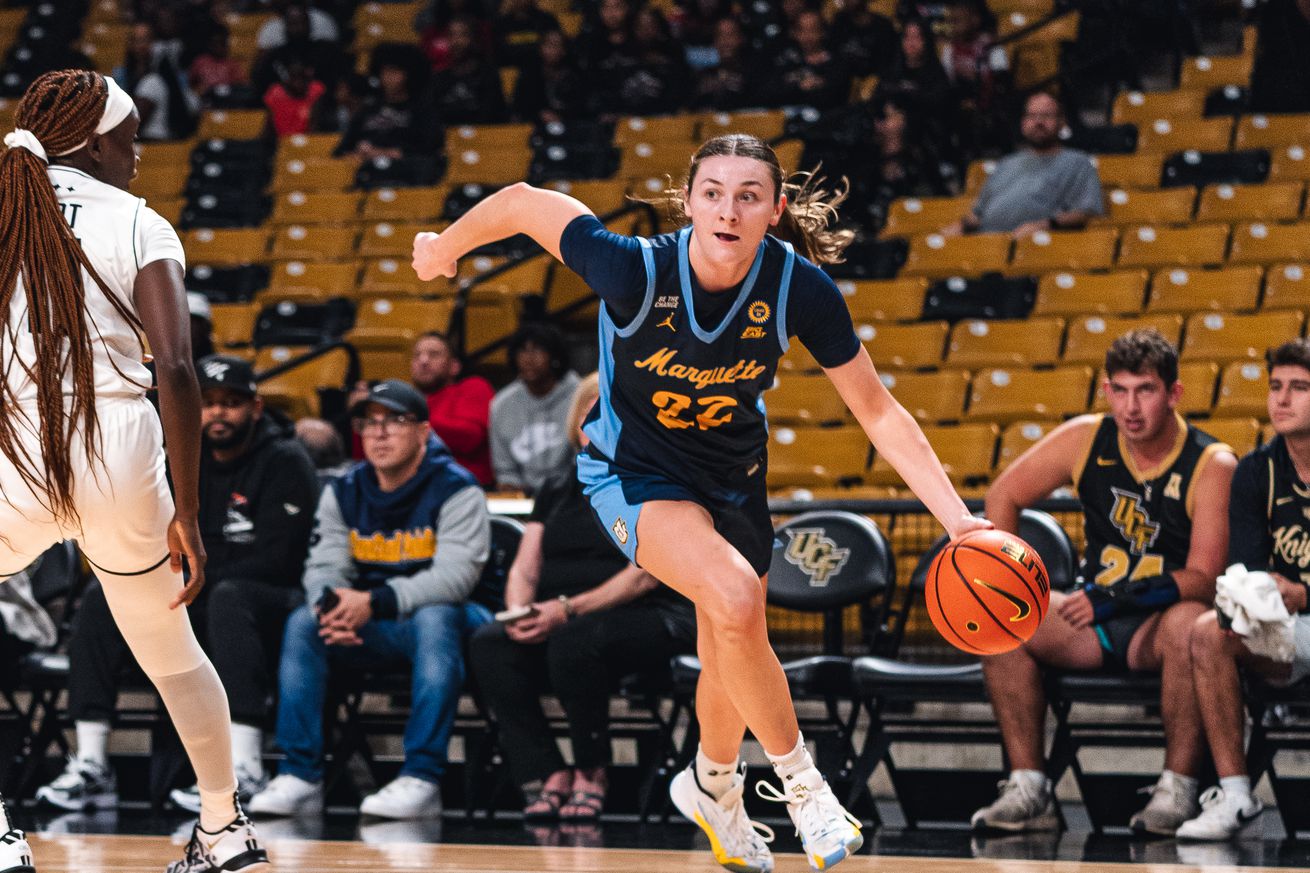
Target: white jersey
(120,235)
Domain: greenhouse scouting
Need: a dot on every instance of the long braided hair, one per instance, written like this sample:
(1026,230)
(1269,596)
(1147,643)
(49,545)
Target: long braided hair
(61,109)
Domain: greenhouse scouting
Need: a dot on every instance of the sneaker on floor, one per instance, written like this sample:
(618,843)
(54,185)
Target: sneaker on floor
(737,842)
(235,848)
(247,787)
(16,854)
(1223,817)
(288,795)
(1170,805)
(829,834)
(404,797)
(84,786)
(1021,806)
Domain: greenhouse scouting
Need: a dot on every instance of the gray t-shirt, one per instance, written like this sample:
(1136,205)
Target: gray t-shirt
(530,435)
(1031,187)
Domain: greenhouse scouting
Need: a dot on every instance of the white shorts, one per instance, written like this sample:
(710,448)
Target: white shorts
(123,501)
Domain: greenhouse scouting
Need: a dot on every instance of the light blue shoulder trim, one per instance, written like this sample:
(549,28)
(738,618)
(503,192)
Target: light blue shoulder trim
(784,288)
(648,258)
(684,275)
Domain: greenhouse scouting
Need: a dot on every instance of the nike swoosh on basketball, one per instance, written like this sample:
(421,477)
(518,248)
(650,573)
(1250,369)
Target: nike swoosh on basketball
(1022,609)
(1106,462)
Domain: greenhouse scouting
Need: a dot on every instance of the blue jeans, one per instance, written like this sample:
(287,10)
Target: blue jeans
(431,641)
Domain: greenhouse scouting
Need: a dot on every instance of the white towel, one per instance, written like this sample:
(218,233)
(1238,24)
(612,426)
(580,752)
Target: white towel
(1252,602)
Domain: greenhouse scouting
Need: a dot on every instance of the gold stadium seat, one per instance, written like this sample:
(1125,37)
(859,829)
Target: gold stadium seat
(1135,107)
(1260,243)
(528,277)
(807,455)
(929,397)
(1162,206)
(488,321)
(170,208)
(883,299)
(601,195)
(906,346)
(158,180)
(388,277)
(1289,164)
(673,130)
(977,174)
(645,161)
(313,280)
(1287,286)
(225,246)
(804,399)
(314,242)
(307,146)
(1217,337)
(233,124)
(383,322)
(166,154)
(405,204)
(1208,72)
(313,174)
(1273,132)
(1187,290)
(1151,247)
(977,343)
(487,166)
(1278,201)
(1091,249)
(1169,135)
(390,239)
(1241,434)
(1243,390)
(1129,171)
(966,452)
(768,124)
(295,392)
(1083,293)
(910,216)
(1018,438)
(315,207)
(939,257)
(798,360)
(487,137)
(233,324)
(1006,395)
(1089,337)
(1197,378)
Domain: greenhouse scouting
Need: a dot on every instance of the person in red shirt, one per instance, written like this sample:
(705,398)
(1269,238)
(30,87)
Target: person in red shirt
(291,101)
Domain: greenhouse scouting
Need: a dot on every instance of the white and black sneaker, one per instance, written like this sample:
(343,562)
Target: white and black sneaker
(84,786)
(1223,817)
(16,854)
(247,787)
(739,844)
(829,834)
(234,848)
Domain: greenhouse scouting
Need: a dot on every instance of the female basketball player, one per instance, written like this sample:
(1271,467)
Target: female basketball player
(84,268)
(691,328)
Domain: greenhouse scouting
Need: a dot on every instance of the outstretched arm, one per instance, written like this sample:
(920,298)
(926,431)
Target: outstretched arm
(519,208)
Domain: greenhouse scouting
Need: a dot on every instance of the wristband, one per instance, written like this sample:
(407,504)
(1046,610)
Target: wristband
(569,611)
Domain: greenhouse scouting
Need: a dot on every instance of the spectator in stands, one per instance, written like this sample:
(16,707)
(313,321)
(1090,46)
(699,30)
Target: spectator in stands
(1154,492)
(396,122)
(695,25)
(519,27)
(904,164)
(215,66)
(552,89)
(334,110)
(863,40)
(1280,79)
(529,416)
(918,82)
(399,544)
(257,497)
(291,102)
(656,83)
(459,409)
(300,46)
(1043,186)
(733,81)
(277,32)
(807,72)
(433,24)
(605,45)
(468,90)
(24,624)
(979,71)
(1267,532)
(202,324)
(326,449)
(594,619)
(167,107)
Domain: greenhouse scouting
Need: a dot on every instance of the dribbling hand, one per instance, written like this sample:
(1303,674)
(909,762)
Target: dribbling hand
(428,261)
(967,525)
(184,542)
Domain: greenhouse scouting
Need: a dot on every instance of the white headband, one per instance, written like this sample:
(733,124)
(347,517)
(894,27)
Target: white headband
(118,106)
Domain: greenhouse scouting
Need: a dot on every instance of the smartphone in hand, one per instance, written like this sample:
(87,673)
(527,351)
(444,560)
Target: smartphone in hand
(518,613)
(328,601)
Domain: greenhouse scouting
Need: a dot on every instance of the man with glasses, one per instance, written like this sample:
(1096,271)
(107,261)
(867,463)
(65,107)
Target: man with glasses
(398,545)
(1041,187)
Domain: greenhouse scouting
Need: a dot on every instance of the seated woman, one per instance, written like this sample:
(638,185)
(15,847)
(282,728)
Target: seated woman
(595,618)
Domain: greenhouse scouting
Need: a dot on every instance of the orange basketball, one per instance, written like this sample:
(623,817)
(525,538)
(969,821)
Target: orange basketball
(988,592)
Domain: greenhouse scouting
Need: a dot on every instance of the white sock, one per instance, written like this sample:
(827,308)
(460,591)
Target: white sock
(1237,787)
(247,749)
(715,778)
(93,741)
(796,768)
(1186,784)
(1035,778)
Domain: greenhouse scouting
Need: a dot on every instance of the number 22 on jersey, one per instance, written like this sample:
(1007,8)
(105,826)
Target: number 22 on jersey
(672,405)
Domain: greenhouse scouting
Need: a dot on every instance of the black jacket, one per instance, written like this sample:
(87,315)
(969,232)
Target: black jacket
(256,512)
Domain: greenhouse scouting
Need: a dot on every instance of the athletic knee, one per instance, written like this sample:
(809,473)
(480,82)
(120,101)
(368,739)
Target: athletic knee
(301,629)
(1176,626)
(736,607)
(1206,639)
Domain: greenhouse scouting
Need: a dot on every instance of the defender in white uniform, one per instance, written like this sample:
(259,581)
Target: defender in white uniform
(83,448)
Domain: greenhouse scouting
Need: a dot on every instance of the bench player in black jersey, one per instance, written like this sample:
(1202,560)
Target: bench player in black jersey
(692,326)
(1269,527)
(1154,492)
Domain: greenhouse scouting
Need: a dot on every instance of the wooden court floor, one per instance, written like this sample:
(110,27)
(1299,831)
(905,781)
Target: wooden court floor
(134,854)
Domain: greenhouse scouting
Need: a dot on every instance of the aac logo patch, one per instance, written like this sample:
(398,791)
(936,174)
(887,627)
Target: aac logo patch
(816,554)
(758,312)
(620,528)
(752,332)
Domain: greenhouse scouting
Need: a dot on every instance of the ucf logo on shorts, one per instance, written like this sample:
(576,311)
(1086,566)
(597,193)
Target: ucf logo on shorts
(1132,521)
(816,554)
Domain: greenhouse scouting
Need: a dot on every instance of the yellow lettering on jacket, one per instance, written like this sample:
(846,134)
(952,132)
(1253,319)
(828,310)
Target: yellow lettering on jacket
(419,544)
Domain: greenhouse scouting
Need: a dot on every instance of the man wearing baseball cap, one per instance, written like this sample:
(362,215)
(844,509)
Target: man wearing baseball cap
(400,541)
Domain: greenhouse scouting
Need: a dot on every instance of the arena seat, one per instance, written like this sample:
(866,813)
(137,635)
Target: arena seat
(1197,378)
(1169,135)
(1091,249)
(817,456)
(1289,164)
(313,174)
(1089,337)
(799,360)
(395,277)
(296,392)
(1260,243)
(233,324)
(1151,247)
(1159,206)
(391,239)
(487,137)
(1136,107)
(929,397)
(871,300)
(405,204)
(315,207)
(976,175)
(382,322)
(1287,286)
(488,166)
(1207,72)
(487,321)
(1217,337)
(804,399)
(1273,201)
(1187,290)
(911,216)
(226,246)
(977,343)
(232,124)
(1070,294)
(1018,438)
(679,130)
(940,257)
(1241,434)
(1006,395)
(1273,132)
(307,146)
(966,452)
(652,160)
(600,195)
(1243,390)
(906,345)
(309,280)
(767,124)
(1139,171)
(298,242)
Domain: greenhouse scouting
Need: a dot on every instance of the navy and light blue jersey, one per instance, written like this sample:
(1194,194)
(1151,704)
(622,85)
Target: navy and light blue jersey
(682,370)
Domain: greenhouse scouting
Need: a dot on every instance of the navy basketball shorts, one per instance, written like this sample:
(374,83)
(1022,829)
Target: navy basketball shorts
(617,495)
